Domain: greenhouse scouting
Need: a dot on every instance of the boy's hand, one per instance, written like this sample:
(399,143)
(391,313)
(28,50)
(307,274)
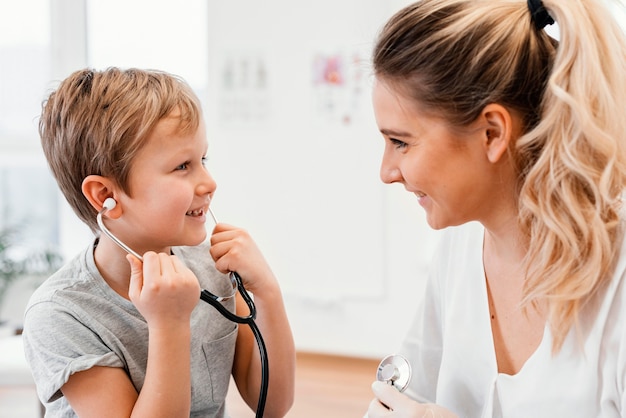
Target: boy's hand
(163,290)
(234,250)
(390,403)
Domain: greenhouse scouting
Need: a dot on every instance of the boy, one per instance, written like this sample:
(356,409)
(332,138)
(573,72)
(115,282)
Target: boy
(111,334)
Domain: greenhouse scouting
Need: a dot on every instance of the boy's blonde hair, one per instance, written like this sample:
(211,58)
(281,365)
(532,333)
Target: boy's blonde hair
(454,57)
(95,122)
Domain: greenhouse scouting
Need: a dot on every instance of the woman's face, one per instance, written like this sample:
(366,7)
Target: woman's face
(446,168)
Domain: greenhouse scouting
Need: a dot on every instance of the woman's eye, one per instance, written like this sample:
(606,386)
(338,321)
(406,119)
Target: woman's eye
(397,143)
(204,161)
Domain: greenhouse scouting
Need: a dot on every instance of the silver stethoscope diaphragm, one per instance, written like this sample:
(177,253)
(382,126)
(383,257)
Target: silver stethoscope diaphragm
(394,370)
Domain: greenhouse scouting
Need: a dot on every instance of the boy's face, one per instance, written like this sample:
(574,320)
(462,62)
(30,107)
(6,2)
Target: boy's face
(170,189)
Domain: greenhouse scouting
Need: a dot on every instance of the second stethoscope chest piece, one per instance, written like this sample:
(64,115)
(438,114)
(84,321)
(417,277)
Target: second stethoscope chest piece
(394,370)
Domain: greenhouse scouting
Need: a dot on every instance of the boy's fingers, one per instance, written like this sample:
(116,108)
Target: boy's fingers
(136,276)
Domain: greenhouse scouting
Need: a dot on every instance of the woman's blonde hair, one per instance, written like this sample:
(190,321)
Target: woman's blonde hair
(96,122)
(453,57)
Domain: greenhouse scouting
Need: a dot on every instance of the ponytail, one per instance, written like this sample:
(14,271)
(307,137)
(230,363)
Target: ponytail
(571,196)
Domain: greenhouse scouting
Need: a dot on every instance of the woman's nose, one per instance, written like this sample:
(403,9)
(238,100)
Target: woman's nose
(389,172)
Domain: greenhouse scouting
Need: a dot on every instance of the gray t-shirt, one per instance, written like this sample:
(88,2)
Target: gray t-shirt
(75,321)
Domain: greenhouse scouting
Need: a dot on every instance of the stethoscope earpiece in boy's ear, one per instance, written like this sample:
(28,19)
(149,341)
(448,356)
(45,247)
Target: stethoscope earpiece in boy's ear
(109,203)
(394,370)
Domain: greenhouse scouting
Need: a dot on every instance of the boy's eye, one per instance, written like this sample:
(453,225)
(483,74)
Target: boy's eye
(186,164)
(183,166)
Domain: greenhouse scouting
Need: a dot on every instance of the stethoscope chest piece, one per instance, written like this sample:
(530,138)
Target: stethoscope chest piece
(394,370)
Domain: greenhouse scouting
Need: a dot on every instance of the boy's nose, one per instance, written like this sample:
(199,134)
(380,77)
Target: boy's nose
(207,184)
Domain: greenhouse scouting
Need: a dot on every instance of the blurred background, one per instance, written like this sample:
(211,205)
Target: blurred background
(293,146)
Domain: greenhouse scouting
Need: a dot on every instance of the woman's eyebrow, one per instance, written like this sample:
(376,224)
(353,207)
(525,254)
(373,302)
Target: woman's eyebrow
(394,133)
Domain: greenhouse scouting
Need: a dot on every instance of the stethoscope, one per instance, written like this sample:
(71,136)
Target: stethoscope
(216,302)
(395,370)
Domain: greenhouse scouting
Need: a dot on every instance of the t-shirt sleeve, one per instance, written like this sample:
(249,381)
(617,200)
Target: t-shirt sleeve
(57,344)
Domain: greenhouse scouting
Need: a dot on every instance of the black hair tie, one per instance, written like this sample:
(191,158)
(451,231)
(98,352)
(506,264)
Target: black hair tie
(539,14)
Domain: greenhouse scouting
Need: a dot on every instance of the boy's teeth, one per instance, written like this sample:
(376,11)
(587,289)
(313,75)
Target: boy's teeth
(195,212)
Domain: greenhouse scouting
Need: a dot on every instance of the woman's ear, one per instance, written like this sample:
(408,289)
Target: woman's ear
(97,189)
(499,131)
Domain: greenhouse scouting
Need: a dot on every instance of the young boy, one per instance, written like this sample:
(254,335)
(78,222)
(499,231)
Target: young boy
(110,334)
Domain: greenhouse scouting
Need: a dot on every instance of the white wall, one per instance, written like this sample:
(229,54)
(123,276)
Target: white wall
(350,252)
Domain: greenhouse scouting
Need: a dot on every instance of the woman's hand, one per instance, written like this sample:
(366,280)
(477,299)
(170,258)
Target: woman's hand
(390,403)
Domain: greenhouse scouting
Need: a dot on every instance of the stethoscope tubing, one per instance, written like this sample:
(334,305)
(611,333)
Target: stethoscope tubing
(215,301)
(115,239)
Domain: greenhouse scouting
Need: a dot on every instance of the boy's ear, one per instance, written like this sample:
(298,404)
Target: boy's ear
(97,189)
(499,131)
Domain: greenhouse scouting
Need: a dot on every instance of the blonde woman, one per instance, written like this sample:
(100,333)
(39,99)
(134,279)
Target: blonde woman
(515,143)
